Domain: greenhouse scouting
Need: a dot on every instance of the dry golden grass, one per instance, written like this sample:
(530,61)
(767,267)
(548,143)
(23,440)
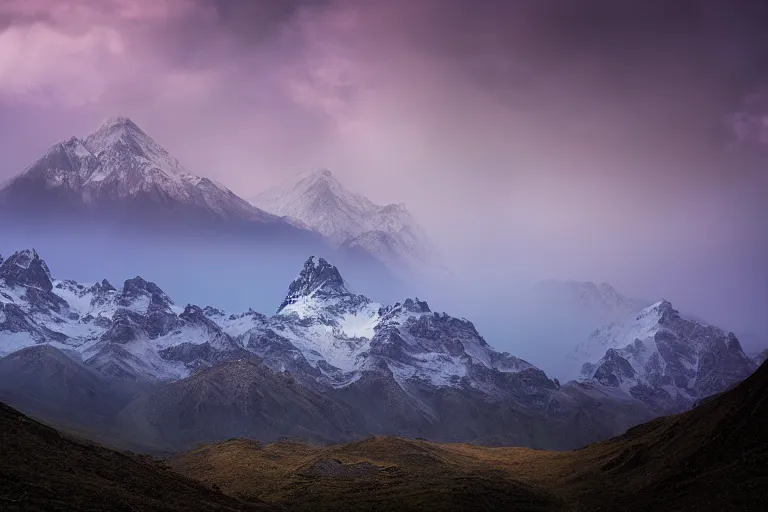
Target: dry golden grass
(410,474)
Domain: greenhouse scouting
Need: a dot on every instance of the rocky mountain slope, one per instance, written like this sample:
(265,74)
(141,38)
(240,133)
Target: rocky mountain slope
(665,360)
(48,383)
(320,202)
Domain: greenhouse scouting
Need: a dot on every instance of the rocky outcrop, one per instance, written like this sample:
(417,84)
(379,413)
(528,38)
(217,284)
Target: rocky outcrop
(320,279)
(25,268)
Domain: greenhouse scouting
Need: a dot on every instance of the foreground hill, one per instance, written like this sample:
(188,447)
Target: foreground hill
(42,469)
(714,457)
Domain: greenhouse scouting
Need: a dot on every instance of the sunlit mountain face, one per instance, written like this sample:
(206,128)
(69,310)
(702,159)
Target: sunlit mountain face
(351,255)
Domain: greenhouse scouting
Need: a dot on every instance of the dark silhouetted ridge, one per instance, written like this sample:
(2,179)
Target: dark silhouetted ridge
(42,469)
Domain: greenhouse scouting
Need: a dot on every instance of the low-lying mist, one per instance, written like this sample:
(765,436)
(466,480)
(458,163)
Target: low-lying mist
(228,272)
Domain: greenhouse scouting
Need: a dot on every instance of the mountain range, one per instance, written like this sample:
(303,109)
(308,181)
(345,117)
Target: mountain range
(128,363)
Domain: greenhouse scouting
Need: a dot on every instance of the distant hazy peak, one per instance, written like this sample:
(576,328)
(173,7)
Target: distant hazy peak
(603,297)
(120,134)
(389,233)
(118,123)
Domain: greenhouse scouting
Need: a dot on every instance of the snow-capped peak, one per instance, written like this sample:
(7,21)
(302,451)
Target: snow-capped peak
(658,311)
(127,153)
(645,324)
(121,168)
(26,268)
(24,258)
(319,200)
(400,312)
(321,280)
(119,121)
(662,358)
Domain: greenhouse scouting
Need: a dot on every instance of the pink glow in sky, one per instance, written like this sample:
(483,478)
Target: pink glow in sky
(530,140)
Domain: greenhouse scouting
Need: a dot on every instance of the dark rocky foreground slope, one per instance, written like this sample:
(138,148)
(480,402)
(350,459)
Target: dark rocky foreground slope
(43,469)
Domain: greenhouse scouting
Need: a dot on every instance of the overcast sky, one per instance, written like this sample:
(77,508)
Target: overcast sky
(536,138)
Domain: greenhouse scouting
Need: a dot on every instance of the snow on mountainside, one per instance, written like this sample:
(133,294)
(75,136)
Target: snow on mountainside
(664,360)
(352,334)
(320,201)
(322,332)
(119,168)
(389,233)
(644,323)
